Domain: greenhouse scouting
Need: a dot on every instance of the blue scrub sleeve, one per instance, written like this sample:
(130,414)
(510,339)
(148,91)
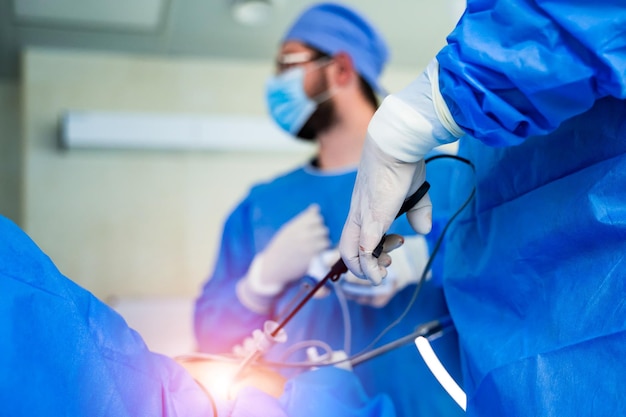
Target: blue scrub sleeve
(514,69)
(220,320)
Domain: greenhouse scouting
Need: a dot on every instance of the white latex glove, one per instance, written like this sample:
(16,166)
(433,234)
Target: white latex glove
(404,266)
(382,184)
(284,260)
(403,130)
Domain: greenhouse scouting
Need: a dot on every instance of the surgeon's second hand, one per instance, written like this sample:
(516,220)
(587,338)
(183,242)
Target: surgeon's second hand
(334,274)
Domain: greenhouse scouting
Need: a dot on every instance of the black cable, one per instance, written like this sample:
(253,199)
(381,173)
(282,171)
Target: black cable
(416,292)
(434,252)
(433,329)
(450,156)
(418,287)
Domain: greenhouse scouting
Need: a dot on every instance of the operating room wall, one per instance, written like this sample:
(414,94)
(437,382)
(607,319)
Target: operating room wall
(10,150)
(137,222)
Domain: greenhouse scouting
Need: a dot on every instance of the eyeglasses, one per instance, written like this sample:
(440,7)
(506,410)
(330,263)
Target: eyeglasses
(289,60)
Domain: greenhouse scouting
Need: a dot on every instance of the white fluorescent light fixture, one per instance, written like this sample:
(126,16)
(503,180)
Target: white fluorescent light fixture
(155,131)
(133,14)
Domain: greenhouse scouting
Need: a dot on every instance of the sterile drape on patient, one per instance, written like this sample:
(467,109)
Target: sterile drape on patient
(65,353)
(535,271)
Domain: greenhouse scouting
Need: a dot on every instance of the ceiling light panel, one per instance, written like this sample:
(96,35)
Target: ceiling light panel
(135,14)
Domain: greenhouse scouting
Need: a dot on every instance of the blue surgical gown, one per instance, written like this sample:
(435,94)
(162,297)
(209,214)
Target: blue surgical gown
(535,271)
(65,353)
(221,321)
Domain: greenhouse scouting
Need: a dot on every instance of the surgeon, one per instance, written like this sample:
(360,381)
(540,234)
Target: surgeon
(66,353)
(281,238)
(535,271)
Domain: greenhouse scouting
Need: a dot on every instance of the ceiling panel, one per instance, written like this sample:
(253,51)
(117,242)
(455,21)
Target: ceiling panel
(135,14)
(414,29)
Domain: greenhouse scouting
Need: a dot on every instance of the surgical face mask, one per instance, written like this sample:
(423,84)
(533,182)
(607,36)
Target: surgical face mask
(288,103)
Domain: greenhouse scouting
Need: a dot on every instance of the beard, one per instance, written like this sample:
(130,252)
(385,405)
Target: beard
(322,119)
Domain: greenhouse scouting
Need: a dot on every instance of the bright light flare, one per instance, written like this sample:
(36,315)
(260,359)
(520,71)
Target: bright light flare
(218,378)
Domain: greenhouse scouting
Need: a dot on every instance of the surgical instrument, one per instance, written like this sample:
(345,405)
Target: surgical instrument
(334,274)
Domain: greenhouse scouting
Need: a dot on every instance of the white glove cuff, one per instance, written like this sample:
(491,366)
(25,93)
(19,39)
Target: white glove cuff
(441,108)
(253,293)
(411,123)
(400,131)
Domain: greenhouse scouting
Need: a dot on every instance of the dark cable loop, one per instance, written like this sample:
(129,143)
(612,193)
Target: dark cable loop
(418,285)
(421,280)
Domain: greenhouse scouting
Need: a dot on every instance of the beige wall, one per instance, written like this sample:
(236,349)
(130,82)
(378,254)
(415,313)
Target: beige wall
(10,151)
(137,223)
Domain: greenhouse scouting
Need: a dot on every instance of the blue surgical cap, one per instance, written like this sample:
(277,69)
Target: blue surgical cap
(332,28)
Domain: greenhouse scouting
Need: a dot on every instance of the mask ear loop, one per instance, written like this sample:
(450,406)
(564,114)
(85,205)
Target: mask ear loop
(326,95)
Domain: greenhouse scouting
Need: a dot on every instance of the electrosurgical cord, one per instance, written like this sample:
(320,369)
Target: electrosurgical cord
(435,250)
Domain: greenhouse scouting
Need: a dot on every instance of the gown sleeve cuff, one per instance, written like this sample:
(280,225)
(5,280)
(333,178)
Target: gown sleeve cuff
(412,122)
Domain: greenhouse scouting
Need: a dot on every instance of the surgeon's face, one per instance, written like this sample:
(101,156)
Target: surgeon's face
(316,84)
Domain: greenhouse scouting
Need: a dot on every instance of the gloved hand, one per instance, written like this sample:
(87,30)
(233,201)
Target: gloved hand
(322,263)
(403,130)
(284,260)
(409,261)
(410,256)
